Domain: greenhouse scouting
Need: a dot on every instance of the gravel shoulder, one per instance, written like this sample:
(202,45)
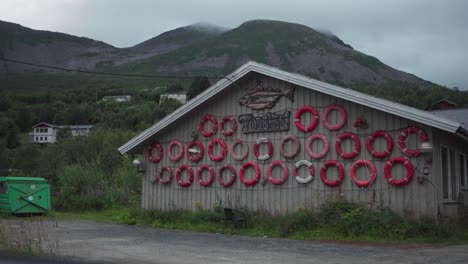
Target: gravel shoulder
(97,242)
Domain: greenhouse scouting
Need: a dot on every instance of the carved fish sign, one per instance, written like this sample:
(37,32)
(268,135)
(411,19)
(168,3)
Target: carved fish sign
(261,99)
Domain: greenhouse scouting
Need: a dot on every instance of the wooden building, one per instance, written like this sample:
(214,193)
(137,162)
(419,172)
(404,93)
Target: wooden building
(266,139)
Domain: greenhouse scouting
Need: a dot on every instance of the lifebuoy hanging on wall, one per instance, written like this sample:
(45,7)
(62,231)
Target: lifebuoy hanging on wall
(403,137)
(228,133)
(330,108)
(245,150)
(257,146)
(162,171)
(311,171)
(200,175)
(255,179)
(159,148)
(179,145)
(313,123)
(369,165)
(194,154)
(409,171)
(284,175)
(296,147)
(323,173)
(357,145)
(231,179)
(214,126)
(220,142)
(370,141)
(184,167)
(326,146)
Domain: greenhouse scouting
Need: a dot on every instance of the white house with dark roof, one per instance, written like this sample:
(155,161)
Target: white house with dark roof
(270,140)
(45,133)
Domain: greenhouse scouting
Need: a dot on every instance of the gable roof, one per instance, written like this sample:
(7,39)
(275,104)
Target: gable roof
(457,115)
(397,109)
(43,124)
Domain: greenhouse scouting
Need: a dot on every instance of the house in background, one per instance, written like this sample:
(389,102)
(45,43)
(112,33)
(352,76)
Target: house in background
(45,133)
(180,97)
(117,98)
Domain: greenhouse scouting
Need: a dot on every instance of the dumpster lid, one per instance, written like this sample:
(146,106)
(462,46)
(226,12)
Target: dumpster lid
(22,179)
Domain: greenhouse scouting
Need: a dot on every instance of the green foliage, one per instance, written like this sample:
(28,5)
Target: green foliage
(198,85)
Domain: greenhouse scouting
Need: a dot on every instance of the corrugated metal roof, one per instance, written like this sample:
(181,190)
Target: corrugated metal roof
(397,109)
(457,115)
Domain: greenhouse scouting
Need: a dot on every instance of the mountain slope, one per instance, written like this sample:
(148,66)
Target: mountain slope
(289,46)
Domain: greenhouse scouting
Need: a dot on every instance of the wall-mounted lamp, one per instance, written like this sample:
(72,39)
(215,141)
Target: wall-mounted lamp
(137,163)
(426,149)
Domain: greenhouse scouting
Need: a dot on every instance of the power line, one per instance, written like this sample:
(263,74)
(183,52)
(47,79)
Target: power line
(111,73)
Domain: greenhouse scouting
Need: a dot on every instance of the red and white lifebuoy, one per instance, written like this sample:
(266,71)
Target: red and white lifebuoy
(311,171)
(182,168)
(284,175)
(256,177)
(161,178)
(257,146)
(403,137)
(245,150)
(357,145)
(330,108)
(370,141)
(180,153)
(200,175)
(228,133)
(313,123)
(195,154)
(296,147)
(326,146)
(232,178)
(214,126)
(220,142)
(323,173)
(409,171)
(373,173)
(159,148)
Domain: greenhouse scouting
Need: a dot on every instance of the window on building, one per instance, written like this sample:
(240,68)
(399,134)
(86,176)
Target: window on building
(46,130)
(37,130)
(37,138)
(448,174)
(45,138)
(42,138)
(463,170)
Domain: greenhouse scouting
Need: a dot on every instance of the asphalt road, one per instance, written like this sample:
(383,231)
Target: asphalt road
(95,242)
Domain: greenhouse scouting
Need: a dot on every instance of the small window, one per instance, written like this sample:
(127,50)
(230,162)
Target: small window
(37,138)
(37,130)
(42,138)
(463,167)
(3,187)
(46,130)
(448,174)
(45,138)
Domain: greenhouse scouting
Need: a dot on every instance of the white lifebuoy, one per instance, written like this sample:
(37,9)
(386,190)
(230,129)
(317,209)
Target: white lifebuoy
(311,171)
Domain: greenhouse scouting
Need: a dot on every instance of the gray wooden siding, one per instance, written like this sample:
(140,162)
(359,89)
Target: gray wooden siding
(420,199)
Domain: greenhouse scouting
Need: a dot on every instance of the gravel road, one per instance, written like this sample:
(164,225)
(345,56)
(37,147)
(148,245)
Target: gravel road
(96,242)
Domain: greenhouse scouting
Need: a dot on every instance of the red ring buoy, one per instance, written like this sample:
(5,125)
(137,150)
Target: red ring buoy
(179,172)
(161,175)
(402,140)
(233,126)
(372,177)
(233,175)
(223,149)
(150,152)
(257,176)
(357,145)
(409,171)
(297,118)
(191,150)
(325,117)
(181,150)
(257,146)
(245,150)
(326,146)
(200,172)
(311,171)
(295,150)
(214,127)
(323,173)
(284,176)
(370,141)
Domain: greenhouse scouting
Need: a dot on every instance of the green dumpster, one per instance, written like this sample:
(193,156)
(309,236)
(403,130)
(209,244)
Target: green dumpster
(24,195)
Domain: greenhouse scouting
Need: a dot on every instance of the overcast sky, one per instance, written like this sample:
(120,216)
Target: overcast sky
(424,37)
